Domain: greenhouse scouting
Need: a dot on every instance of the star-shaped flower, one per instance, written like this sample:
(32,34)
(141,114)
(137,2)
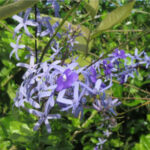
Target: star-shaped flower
(16,47)
(23,22)
(43,118)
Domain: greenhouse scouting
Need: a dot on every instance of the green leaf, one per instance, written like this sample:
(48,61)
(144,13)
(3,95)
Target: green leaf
(11,91)
(20,138)
(148,117)
(15,7)
(117,90)
(4,145)
(10,126)
(92,7)
(116,143)
(75,122)
(82,44)
(113,18)
(133,102)
(144,143)
(8,63)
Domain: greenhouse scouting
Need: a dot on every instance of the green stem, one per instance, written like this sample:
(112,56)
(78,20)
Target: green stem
(36,50)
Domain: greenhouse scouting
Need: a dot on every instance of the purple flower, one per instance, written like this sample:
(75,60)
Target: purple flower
(93,74)
(66,80)
(119,53)
(107,67)
(55,5)
(146,60)
(49,29)
(106,104)
(122,79)
(136,56)
(110,104)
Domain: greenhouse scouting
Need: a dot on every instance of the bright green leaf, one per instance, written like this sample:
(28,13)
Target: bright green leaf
(4,145)
(144,143)
(116,142)
(148,117)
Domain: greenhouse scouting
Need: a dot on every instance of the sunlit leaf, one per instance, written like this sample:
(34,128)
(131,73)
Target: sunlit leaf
(113,18)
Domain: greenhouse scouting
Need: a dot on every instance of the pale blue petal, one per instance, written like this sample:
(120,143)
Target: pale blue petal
(47,126)
(54,116)
(98,84)
(38,124)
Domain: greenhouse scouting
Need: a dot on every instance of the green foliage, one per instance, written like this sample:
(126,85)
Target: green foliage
(144,143)
(15,7)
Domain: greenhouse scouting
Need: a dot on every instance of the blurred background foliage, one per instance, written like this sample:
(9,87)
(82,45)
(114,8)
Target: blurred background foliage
(132,131)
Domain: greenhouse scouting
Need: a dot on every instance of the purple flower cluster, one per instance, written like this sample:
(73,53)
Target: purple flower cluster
(52,83)
(56,83)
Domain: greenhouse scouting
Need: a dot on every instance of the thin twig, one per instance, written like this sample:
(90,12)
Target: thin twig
(146,103)
(129,85)
(131,30)
(131,98)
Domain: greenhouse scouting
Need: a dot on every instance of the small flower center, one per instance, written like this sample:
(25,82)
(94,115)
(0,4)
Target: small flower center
(64,77)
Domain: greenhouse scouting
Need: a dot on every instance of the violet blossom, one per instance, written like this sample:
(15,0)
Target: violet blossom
(66,80)
(119,53)
(93,74)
